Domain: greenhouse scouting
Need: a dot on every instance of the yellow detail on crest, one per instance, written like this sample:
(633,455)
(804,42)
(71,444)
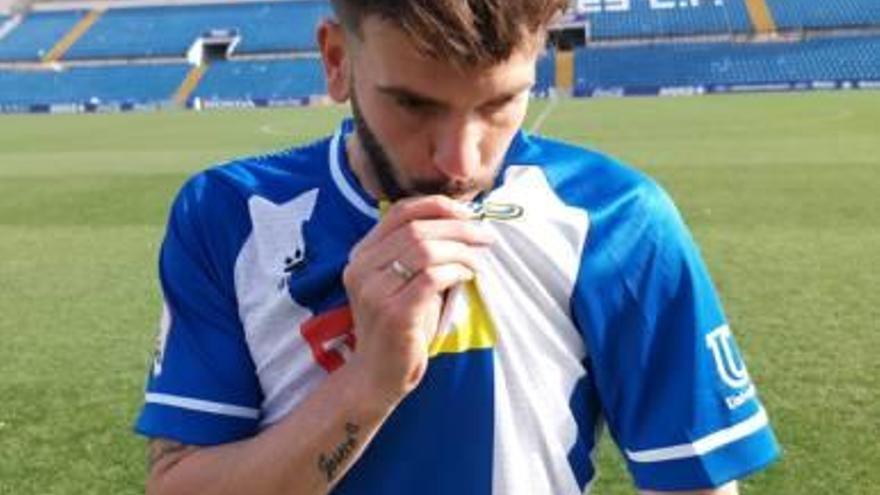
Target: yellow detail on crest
(470,332)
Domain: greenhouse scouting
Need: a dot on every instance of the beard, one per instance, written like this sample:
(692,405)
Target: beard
(387,173)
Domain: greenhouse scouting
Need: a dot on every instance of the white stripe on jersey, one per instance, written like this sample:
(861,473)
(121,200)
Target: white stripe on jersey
(526,281)
(704,445)
(203,406)
(342,183)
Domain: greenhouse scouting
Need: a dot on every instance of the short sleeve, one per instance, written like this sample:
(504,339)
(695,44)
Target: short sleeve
(674,388)
(202,387)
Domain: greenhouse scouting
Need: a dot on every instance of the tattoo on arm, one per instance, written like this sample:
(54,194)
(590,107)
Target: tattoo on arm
(330,463)
(158,449)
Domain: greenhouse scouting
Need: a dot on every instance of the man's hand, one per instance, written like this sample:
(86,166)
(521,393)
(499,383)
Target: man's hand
(396,309)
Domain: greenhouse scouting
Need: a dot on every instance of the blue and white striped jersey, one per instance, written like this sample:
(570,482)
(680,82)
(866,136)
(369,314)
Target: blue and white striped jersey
(593,309)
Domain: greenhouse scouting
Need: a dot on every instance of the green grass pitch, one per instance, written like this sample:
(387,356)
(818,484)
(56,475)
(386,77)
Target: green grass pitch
(781,191)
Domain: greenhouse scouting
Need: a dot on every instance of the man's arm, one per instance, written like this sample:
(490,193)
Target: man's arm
(728,489)
(305,453)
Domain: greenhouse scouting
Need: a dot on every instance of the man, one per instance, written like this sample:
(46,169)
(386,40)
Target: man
(517,294)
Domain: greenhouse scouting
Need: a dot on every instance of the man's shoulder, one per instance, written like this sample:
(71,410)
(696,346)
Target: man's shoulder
(587,178)
(271,175)
(221,194)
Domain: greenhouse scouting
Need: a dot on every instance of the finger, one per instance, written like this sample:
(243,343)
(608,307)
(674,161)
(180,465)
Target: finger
(379,286)
(421,255)
(414,257)
(404,302)
(455,230)
(420,208)
(431,282)
(424,296)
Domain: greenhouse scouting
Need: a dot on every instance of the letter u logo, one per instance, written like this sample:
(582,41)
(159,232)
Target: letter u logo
(729,363)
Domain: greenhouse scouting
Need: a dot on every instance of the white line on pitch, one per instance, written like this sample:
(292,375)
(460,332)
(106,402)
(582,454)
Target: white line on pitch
(536,126)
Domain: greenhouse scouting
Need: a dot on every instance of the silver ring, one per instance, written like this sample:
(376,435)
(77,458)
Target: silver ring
(402,270)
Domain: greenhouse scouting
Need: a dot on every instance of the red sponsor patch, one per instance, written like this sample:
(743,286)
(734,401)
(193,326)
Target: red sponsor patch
(328,335)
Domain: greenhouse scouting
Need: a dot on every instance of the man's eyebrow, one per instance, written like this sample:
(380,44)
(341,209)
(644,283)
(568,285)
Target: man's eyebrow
(511,94)
(401,92)
(409,94)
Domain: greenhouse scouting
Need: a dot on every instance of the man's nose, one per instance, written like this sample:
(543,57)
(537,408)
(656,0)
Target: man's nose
(456,150)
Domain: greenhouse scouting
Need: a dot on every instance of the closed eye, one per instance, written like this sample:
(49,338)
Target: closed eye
(499,103)
(411,101)
(415,104)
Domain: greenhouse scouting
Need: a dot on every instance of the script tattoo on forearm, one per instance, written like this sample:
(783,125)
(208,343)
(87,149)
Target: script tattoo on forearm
(329,464)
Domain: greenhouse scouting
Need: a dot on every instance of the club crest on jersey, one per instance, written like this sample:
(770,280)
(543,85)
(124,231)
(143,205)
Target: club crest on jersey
(292,264)
(278,234)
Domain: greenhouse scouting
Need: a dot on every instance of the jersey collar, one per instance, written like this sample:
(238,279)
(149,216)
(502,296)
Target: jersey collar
(344,178)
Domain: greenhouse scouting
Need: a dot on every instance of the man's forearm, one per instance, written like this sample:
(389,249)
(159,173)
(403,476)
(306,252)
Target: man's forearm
(306,453)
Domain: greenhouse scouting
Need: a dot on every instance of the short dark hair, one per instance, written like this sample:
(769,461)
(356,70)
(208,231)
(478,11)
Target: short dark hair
(465,32)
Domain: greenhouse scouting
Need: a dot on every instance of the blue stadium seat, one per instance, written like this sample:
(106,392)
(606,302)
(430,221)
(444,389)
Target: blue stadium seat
(271,79)
(794,14)
(169,31)
(693,64)
(37,34)
(132,83)
(681,18)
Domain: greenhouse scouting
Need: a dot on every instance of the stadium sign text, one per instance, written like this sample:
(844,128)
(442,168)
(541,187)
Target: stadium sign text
(598,6)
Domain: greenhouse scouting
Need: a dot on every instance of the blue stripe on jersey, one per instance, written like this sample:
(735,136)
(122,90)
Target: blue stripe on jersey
(440,439)
(584,405)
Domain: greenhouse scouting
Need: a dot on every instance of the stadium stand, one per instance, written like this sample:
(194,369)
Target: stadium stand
(262,80)
(793,14)
(113,84)
(708,64)
(170,31)
(37,34)
(615,19)
(118,52)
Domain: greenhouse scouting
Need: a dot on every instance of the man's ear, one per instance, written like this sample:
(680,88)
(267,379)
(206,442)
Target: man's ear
(335,54)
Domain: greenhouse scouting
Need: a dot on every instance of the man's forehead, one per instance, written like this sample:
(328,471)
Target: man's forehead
(394,61)
(378,32)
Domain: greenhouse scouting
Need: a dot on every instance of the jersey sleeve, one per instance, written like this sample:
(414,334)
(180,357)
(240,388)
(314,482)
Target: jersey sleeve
(202,387)
(674,389)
